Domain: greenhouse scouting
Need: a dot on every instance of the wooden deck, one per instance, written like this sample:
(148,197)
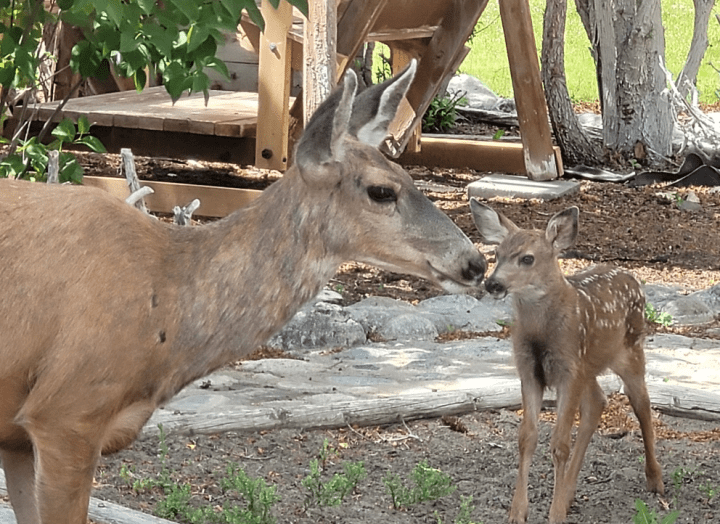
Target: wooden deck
(227,113)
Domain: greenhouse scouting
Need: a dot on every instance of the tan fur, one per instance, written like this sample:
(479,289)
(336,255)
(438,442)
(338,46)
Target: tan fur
(567,331)
(106,313)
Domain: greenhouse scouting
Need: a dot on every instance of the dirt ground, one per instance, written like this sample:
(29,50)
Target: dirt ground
(641,229)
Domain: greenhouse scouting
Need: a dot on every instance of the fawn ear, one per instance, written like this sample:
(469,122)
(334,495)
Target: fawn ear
(562,229)
(493,226)
(375,107)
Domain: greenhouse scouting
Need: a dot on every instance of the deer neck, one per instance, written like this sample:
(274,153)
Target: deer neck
(251,272)
(540,303)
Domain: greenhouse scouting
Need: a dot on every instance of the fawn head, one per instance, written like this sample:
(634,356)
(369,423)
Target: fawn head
(393,225)
(526,259)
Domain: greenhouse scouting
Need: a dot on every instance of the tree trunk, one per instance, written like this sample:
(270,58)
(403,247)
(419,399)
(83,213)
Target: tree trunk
(575,145)
(628,43)
(687,77)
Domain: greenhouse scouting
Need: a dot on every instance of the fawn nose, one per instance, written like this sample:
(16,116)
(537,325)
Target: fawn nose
(494,287)
(475,270)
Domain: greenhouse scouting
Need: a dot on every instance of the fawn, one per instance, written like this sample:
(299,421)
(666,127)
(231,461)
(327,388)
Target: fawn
(106,313)
(566,331)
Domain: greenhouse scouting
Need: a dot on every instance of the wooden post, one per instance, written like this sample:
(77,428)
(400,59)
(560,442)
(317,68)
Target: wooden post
(527,87)
(319,54)
(271,147)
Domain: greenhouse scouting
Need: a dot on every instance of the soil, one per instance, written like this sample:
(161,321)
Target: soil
(641,229)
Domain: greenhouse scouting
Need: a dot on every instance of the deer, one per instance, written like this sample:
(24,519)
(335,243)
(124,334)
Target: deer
(106,313)
(565,332)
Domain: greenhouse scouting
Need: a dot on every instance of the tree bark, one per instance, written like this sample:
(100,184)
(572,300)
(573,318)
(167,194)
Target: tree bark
(575,145)
(687,77)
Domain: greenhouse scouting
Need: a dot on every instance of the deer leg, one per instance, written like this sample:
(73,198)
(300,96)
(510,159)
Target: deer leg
(64,468)
(20,478)
(636,391)
(532,394)
(568,395)
(592,404)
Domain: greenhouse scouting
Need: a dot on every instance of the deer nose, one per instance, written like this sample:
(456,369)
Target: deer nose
(494,287)
(475,270)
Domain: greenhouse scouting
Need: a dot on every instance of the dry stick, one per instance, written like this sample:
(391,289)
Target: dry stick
(139,195)
(128,166)
(53,169)
(183,215)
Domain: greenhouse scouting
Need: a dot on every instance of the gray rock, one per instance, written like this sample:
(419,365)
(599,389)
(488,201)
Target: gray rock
(465,313)
(408,326)
(373,312)
(320,325)
(688,310)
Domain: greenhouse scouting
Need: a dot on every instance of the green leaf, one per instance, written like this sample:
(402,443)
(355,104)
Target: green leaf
(86,60)
(70,169)
(114,10)
(160,37)
(93,143)
(11,165)
(65,5)
(198,36)
(83,125)
(65,131)
(219,66)
(147,6)
(140,79)
(189,8)
(176,80)
(255,15)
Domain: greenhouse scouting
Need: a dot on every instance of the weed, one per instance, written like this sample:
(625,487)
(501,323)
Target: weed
(430,484)
(333,491)
(709,490)
(463,516)
(645,516)
(442,113)
(657,317)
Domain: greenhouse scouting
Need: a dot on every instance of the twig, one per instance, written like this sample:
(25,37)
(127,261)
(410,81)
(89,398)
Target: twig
(138,195)
(183,215)
(53,169)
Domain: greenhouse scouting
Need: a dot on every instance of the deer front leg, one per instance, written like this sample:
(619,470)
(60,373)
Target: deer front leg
(568,394)
(592,405)
(532,394)
(20,478)
(64,468)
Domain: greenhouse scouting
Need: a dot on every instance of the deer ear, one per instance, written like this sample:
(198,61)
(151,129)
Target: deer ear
(493,226)
(375,107)
(562,229)
(321,142)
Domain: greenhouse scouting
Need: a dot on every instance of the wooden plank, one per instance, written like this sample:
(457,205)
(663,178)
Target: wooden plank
(319,55)
(439,58)
(214,201)
(504,157)
(354,25)
(271,148)
(527,87)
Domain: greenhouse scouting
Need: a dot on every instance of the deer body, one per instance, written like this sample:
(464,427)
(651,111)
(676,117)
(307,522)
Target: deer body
(565,333)
(106,313)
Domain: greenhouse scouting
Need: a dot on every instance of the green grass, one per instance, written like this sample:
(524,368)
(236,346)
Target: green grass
(488,59)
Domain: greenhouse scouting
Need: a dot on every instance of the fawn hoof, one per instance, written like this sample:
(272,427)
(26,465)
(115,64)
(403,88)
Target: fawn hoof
(654,480)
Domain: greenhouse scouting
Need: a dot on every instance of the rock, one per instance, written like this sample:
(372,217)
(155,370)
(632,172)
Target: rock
(373,312)
(465,313)
(688,310)
(317,326)
(408,326)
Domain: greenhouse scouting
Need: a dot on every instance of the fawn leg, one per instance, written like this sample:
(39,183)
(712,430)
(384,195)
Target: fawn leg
(636,391)
(568,399)
(592,404)
(20,478)
(532,393)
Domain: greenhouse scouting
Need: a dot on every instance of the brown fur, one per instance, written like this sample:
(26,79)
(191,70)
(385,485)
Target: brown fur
(565,333)
(106,313)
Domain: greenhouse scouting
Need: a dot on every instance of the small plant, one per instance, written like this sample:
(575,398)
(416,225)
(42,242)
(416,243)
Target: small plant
(656,317)
(30,159)
(333,491)
(463,516)
(258,495)
(430,484)
(442,113)
(709,490)
(678,478)
(645,516)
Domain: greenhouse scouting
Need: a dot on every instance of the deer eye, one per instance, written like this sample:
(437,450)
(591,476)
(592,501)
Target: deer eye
(382,194)
(527,260)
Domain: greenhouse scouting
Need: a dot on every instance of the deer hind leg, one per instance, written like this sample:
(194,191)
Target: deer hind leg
(633,377)
(592,404)
(568,400)
(532,394)
(20,478)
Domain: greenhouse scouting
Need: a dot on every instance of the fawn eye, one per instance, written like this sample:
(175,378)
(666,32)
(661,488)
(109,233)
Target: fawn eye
(527,260)
(382,194)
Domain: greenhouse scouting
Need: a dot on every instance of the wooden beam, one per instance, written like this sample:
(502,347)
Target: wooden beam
(440,56)
(319,54)
(448,152)
(527,87)
(271,147)
(214,201)
(353,28)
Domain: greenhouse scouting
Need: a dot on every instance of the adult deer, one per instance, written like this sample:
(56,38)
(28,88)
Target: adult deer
(566,331)
(107,313)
